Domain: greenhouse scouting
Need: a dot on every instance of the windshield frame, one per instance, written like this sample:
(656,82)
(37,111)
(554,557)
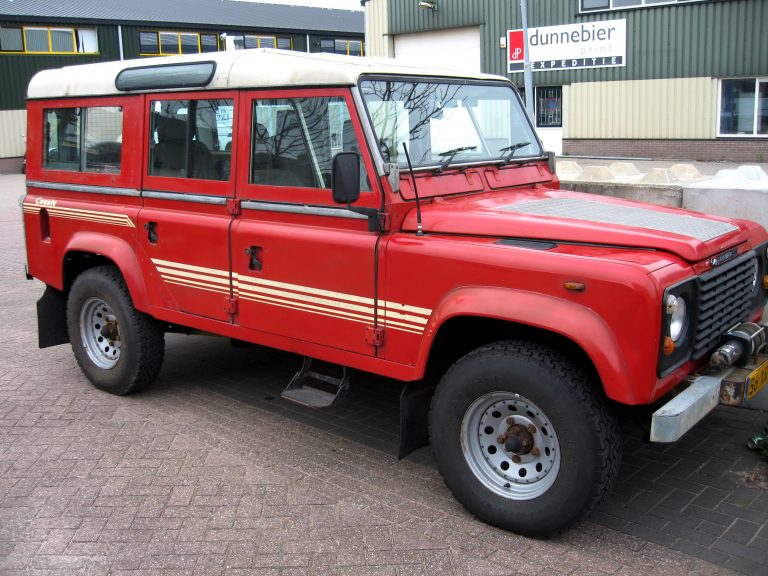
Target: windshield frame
(463,81)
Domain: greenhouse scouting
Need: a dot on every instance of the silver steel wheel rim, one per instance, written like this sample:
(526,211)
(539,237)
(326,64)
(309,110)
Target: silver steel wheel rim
(531,474)
(100,333)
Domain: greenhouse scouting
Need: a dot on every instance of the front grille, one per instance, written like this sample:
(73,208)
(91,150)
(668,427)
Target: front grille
(725,297)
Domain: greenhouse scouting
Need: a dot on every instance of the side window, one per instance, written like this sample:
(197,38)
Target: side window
(293,141)
(191,139)
(83,139)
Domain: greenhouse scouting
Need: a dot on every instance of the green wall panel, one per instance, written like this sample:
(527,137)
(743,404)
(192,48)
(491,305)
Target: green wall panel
(716,38)
(16,70)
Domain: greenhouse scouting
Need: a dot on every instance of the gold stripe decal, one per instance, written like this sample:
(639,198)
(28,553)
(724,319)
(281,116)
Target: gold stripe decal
(78,214)
(350,307)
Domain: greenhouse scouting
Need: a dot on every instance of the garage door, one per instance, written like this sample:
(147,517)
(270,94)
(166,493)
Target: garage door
(457,49)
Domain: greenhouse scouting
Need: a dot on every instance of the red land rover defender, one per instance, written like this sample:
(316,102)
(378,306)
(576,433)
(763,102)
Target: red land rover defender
(390,219)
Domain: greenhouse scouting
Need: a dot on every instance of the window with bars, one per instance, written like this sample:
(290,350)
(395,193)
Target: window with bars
(342,46)
(549,107)
(48,40)
(155,43)
(594,5)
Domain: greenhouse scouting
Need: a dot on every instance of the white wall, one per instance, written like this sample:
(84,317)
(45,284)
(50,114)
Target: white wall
(13,132)
(457,49)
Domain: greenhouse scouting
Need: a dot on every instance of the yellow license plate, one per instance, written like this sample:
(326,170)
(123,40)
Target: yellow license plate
(757,380)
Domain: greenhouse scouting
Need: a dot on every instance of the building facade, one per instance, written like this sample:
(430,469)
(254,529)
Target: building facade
(40,34)
(613,78)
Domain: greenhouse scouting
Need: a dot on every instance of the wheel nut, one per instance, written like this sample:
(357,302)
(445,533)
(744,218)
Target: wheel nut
(501,439)
(535,452)
(510,420)
(531,428)
(516,459)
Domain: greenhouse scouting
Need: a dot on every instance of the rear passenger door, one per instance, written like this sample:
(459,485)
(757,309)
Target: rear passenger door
(188,181)
(303,267)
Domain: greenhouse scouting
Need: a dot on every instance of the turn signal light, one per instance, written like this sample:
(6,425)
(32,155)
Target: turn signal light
(575,286)
(669,346)
(765,282)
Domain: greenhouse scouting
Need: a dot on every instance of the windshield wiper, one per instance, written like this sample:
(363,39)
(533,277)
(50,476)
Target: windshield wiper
(510,151)
(449,154)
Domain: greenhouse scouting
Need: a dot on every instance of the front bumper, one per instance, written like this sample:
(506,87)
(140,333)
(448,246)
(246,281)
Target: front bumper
(729,386)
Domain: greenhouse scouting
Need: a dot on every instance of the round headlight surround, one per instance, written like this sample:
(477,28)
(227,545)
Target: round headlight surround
(755,276)
(677,314)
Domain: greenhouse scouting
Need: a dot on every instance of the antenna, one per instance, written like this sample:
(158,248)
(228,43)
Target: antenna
(419,231)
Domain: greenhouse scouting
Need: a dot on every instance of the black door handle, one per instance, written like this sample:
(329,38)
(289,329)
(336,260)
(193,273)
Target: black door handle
(255,253)
(151,228)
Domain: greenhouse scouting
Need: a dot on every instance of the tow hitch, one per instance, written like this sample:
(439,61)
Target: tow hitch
(737,371)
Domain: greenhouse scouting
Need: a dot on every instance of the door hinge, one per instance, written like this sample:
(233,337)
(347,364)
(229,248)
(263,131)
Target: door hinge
(230,305)
(374,336)
(384,221)
(233,206)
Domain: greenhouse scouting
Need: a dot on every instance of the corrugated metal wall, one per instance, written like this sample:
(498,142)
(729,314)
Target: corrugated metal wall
(716,38)
(377,37)
(13,133)
(670,108)
(16,70)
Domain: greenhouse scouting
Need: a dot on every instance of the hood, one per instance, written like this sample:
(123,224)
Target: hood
(558,216)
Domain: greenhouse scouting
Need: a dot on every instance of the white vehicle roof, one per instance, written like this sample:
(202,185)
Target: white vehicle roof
(259,68)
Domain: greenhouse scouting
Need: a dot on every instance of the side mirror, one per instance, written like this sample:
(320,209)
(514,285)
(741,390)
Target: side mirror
(345,177)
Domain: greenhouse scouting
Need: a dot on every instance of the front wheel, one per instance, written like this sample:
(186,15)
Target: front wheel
(118,348)
(522,439)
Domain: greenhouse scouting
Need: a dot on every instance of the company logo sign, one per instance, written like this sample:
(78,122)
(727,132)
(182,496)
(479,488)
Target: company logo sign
(588,45)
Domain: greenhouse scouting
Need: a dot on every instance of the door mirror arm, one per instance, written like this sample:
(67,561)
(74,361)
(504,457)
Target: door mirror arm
(345,186)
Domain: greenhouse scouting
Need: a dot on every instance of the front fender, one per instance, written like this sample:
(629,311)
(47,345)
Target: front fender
(572,320)
(121,253)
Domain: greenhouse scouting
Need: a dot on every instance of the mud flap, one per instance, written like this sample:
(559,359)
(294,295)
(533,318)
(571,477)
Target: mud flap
(414,416)
(52,318)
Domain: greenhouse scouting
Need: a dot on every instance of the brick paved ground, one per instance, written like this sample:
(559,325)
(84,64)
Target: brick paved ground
(211,473)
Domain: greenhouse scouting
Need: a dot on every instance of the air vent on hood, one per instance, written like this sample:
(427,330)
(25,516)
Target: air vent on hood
(700,228)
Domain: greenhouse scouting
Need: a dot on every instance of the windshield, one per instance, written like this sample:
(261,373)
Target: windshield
(443,122)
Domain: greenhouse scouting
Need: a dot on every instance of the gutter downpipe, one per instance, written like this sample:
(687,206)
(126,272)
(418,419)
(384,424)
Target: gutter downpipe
(527,63)
(120,40)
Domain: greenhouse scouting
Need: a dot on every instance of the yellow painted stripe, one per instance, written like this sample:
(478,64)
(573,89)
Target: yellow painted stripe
(86,215)
(314,300)
(196,285)
(271,302)
(368,318)
(306,290)
(368,313)
(95,219)
(184,267)
(394,306)
(208,278)
(320,301)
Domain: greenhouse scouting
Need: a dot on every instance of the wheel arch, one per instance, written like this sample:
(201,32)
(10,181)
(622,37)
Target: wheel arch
(81,254)
(471,317)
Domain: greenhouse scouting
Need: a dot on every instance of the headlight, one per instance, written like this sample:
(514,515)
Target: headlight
(677,311)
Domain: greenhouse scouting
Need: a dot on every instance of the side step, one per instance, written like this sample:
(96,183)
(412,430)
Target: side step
(314,389)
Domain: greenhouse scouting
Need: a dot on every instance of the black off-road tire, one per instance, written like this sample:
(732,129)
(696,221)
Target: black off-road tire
(124,357)
(545,392)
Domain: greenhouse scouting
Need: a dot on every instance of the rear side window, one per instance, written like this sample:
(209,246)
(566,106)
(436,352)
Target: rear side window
(293,141)
(83,139)
(191,139)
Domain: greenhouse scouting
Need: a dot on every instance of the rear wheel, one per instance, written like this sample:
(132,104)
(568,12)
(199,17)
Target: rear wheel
(522,439)
(118,348)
